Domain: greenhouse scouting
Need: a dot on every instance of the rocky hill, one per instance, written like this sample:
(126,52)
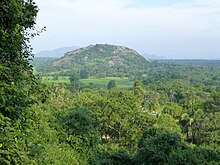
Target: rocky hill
(100,60)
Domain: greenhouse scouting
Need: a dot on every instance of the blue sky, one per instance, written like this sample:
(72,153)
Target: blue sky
(174,29)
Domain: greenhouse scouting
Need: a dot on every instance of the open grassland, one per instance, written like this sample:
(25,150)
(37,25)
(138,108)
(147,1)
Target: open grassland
(120,82)
(61,79)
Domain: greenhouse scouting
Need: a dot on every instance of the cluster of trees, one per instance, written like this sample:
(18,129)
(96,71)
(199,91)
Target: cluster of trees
(116,126)
(162,119)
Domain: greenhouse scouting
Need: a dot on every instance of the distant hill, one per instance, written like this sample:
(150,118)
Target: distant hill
(56,52)
(153,57)
(102,60)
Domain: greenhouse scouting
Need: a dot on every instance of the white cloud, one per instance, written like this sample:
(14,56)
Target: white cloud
(81,22)
(99,14)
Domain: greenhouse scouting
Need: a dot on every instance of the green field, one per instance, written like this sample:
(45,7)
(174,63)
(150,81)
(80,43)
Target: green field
(120,82)
(61,79)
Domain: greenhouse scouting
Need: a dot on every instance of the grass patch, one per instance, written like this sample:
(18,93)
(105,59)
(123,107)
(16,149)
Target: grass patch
(120,82)
(61,79)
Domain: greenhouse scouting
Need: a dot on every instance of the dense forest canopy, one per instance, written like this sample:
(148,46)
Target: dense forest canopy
(169,115)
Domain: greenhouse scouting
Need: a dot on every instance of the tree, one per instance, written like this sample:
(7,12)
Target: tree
(74,81)
(159,146)
(15,69)
(84,74)
(17,81)
(111,84)
(81,134)
(150,102)
(55,77)
(208,122)
(117,114)
(138,89)
(165,121)
(173,109)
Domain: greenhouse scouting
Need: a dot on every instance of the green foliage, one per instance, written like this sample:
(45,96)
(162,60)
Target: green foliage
(173,109)
(92,82)
(111,84)
(84,74)
(74,81)
(80,127)
(100,60)
(43,65)
(155,122)
(16,74)
(118,117)
(150,103)
(17,82)
(74,78)
(114,155)
(158,146)
(80,134)
(165,121)
(55,77)
(154,148)
(138,89)
(14,99)
(102,82)
(12,148)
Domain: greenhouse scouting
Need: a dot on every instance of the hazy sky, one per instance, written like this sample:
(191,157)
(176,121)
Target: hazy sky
(170,28)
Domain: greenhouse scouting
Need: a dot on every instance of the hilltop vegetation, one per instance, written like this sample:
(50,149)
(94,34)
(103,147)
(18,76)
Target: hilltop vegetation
(100,60)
